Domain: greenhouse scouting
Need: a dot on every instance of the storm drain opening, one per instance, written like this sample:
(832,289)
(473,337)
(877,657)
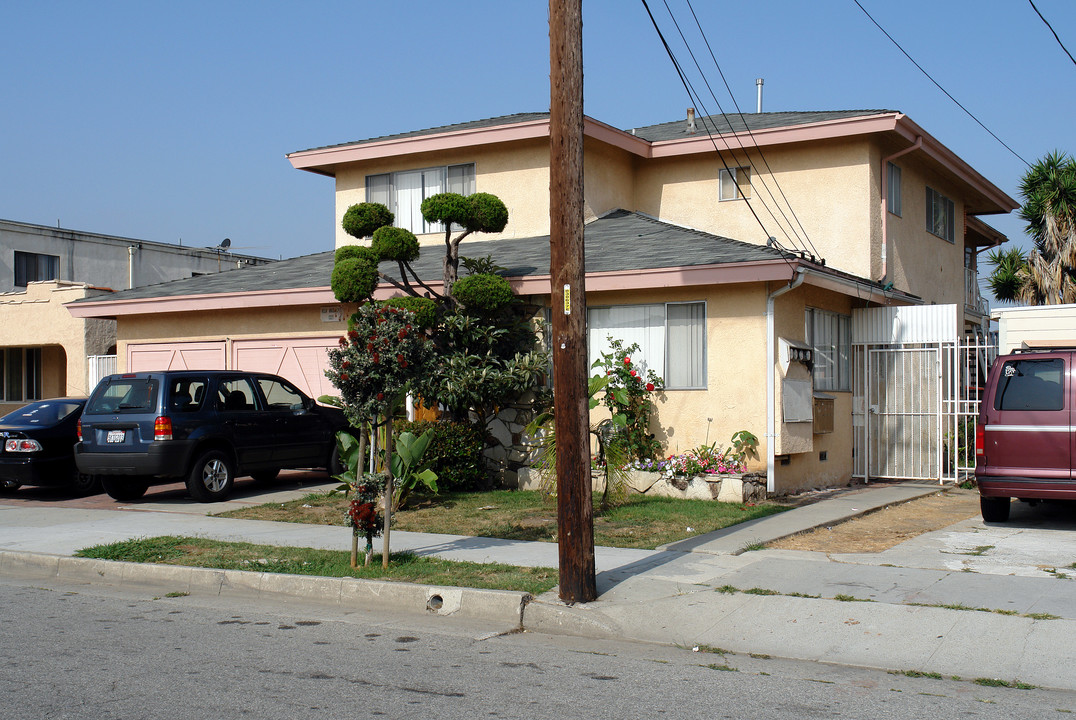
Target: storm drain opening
(435,603)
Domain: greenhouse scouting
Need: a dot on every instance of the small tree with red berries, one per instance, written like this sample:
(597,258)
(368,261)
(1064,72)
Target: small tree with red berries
(373,368)
(628,397)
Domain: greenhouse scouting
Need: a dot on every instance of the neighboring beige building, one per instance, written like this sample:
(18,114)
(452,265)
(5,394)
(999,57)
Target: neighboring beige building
(872,210)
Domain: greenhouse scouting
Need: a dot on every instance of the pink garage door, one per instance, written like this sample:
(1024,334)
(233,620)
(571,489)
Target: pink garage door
(176,356)
(301,360)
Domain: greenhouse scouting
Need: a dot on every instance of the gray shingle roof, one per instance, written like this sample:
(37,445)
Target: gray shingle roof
(718,124)
(654,133)
(619,241)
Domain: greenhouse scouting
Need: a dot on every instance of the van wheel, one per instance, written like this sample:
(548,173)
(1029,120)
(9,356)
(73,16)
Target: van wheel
(124,489)
(995,509)
(9,485)
(336,464)
(212,477)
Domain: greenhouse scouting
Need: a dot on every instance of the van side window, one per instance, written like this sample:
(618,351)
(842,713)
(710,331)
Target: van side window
(1031,385)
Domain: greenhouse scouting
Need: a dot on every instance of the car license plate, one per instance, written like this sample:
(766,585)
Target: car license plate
(115,436)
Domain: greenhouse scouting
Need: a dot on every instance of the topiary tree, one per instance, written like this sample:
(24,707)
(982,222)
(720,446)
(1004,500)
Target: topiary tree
(480,212)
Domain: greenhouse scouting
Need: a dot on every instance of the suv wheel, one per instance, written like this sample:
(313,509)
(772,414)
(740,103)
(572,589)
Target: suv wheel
(124,489)
(212,477)
(995,509)
(84,484)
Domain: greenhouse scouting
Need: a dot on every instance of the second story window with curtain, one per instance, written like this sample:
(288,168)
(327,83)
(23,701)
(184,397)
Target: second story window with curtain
(941,215)
(403,192)
(34,267)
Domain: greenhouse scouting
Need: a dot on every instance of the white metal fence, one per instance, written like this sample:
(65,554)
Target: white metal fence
(914,408)
(97,367)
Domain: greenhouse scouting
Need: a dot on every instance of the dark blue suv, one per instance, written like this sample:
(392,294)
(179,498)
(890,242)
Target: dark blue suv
(207,427)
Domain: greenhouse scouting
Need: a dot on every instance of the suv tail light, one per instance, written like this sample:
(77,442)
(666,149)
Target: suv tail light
(79,429)
(980,442)
(162,428)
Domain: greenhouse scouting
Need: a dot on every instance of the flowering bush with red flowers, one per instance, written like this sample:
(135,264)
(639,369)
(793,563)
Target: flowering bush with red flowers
(378,359)
(628,397)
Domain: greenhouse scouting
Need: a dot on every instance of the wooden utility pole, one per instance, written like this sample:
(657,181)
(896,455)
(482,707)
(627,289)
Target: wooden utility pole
(575,512)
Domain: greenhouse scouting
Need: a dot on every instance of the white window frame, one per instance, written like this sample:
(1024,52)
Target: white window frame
(893,191)
(403,191)
(941,215)
(735,183)
(658,344)
(830,334)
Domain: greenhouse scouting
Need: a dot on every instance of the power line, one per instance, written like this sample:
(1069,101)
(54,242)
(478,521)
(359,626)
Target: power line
(750,134)
(938,85)
(1053,31)
(694,97)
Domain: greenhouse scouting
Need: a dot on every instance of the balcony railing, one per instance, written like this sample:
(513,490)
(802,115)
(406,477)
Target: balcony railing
(974,302)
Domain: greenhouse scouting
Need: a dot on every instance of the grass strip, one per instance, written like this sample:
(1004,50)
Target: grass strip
(640,522)
(403,566)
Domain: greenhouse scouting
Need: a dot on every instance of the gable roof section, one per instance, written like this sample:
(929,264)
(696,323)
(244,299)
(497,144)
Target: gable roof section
(623,250)
(739,132)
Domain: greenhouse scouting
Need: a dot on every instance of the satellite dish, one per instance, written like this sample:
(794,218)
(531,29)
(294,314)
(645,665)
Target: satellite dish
(225,243)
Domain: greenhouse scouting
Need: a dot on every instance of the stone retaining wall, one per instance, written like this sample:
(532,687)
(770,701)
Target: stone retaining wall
(750,487)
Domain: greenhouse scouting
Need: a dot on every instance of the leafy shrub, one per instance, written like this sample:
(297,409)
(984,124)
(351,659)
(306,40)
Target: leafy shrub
(425,309)
(483,293)
(393,243)
(352,252)
(355,277)
(447,208)
(362,219)
(457,449)
(489,213)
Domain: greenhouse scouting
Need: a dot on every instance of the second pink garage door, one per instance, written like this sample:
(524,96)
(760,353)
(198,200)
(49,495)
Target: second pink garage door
(301,360)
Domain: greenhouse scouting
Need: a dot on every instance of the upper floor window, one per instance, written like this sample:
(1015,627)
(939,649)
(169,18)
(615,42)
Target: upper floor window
(941,215)
(671,339)
(403,192)
(830,334)
(735,183)
(32,267)
(892,201)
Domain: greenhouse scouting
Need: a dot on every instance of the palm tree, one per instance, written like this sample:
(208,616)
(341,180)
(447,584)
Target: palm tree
(1049,191)
(1007,279)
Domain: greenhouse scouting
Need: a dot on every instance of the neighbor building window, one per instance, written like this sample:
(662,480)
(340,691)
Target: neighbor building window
(403,192)
(671,339)
(735,183)
(830,334)
(32,267)
(941,215)
(20,374)
(893,189)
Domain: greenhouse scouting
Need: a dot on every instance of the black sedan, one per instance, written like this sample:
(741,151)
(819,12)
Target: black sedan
(39,446)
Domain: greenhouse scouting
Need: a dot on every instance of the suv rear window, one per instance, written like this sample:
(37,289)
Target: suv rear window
(1031,385)
(126,395)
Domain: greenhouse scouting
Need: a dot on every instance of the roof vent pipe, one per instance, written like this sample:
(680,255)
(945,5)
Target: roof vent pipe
(758,84)
(691,120)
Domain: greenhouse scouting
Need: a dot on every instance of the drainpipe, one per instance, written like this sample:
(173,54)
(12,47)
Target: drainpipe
(771,377)
(885,198)
(130,266)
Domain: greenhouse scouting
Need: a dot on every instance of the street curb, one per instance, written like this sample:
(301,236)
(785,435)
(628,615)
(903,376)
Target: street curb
(497,606)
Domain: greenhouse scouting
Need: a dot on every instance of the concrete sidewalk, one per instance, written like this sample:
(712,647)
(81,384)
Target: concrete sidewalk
(926,614)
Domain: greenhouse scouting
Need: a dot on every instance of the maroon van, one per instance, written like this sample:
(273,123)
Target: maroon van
(1024,438)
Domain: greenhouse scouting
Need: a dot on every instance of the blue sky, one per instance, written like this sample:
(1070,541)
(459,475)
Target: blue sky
(171,121)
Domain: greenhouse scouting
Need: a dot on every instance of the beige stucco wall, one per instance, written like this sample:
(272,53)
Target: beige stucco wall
(37,318)
(828,185)
(918,261)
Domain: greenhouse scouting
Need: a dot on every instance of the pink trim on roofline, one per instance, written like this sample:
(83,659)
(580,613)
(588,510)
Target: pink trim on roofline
(725,273)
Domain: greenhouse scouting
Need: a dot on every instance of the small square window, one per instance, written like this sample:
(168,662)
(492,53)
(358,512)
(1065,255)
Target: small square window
(735,183)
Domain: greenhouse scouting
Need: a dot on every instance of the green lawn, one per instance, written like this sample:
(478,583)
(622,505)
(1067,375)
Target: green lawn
(640,522)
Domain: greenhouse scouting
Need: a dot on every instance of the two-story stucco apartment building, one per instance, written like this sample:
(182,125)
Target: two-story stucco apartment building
(749,333)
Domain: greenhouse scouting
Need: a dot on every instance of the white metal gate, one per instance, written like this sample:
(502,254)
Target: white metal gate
(916,392)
